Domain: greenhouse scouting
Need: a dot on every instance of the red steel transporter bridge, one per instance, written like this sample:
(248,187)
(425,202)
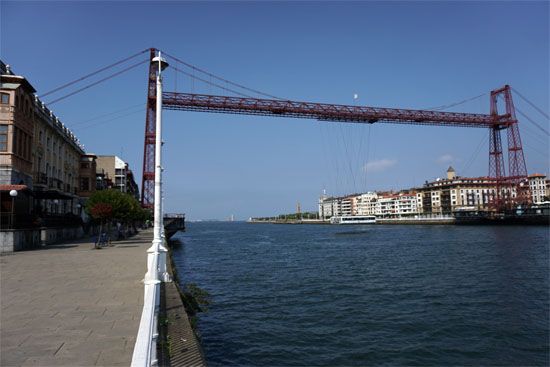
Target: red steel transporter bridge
(512,187)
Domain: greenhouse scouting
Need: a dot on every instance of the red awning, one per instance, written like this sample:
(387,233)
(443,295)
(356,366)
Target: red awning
(13,187)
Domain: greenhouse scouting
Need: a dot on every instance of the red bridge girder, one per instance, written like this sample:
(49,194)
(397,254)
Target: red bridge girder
(328,112)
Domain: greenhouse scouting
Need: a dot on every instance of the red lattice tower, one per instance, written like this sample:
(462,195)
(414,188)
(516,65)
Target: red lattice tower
(148,179)
(516,180)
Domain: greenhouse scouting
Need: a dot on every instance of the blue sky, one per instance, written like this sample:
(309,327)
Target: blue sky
(392,54)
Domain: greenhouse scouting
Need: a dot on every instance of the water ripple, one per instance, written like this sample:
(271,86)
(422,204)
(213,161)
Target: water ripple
(372,295)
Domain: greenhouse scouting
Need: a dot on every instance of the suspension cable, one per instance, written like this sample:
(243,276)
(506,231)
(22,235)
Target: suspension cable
(535,135)
(475,153)
(97,82)
(531,103)
(220,78)
(93,73)
(501,98)
(438,108)
(209,82)
(108,114)
(533,122)
(97,123)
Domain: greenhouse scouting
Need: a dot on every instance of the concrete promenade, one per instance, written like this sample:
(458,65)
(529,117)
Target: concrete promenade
(71,305)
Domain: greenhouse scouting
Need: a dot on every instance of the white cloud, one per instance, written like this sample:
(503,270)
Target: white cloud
(445,158)
(379,165)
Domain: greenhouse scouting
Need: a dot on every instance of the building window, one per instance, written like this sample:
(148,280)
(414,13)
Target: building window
(4,98)
(84,184)
(3,138)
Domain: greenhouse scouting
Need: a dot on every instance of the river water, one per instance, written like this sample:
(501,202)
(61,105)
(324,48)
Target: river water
(314,295)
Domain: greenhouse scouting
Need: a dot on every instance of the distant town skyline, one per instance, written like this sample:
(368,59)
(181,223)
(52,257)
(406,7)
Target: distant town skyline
(396,54)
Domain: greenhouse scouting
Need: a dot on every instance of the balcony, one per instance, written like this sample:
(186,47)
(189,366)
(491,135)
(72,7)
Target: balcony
(41,179)
(54,183)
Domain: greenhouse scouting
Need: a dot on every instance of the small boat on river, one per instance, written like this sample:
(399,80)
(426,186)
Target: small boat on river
(353,219)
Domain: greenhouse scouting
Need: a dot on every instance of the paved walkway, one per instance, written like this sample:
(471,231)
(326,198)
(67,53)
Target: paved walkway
(71,305)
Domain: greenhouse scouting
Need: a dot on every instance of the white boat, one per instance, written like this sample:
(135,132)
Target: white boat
(353,219)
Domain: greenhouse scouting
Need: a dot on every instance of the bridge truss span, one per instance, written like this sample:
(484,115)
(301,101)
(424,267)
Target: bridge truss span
(328,112)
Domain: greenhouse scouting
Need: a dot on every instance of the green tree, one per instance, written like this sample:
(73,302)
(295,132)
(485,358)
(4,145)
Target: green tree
(123,207)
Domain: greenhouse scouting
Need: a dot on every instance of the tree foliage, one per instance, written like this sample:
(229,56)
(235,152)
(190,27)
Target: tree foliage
(124,207)
(101,211)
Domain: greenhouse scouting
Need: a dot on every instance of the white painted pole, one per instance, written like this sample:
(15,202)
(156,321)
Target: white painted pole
(158,248)
(163,273)
(146,341)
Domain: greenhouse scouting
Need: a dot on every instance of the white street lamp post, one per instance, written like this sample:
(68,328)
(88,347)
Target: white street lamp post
(157,248)
(13,194)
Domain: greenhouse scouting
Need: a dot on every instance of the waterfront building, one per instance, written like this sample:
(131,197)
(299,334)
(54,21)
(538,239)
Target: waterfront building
(350,204)
(405,204)
(385,205)
(113,168)
(56,158)
(329,206)
(102,181)
(419,202)
(16,129)
(132,187)
(443,196)
(366,203)
(45,163)
(88,175)
(538,184)
(346,206)
(16,133)
(38,153)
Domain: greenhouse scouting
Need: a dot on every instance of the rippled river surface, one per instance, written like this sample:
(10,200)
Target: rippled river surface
(314,295)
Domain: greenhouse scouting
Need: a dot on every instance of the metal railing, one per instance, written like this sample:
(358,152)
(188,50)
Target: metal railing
(145,349)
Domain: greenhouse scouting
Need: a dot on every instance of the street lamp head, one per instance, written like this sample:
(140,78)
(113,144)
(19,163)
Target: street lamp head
(157,59)
(13,193)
